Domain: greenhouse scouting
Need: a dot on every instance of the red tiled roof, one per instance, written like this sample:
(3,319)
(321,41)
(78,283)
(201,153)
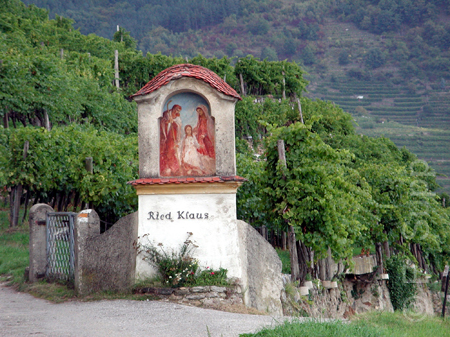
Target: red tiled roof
(187,70)
(161,181)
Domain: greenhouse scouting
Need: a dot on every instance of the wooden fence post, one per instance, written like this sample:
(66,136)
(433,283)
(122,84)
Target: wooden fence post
(16,195)
(295,272)
(116,68)
(242,85)
(47,121)
(299,109)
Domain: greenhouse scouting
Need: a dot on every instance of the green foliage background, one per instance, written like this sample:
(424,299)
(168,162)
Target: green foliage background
(339,188)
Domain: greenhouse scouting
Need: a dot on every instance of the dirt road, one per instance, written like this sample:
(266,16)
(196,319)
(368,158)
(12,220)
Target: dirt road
(23,315)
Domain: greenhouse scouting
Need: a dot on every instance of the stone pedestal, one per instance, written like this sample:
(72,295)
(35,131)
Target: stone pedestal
(38,241)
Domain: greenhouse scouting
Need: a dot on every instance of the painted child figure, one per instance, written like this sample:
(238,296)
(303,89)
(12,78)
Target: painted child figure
(190,158)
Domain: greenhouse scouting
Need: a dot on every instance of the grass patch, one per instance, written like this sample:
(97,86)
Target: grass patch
(285,260)
(13,250)
(317,329)
(399,324)
(370,324)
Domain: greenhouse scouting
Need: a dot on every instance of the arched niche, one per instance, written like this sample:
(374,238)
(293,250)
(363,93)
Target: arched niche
(187,144)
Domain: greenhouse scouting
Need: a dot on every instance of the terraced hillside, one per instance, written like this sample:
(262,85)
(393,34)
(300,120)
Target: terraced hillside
(420,121)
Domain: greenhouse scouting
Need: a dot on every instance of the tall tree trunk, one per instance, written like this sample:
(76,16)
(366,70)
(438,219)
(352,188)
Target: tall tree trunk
(328,264)
(76,201)
(16,193)
(302,254)
(25,211)
(6,120)
(284,240)
(379,256)
(322,272)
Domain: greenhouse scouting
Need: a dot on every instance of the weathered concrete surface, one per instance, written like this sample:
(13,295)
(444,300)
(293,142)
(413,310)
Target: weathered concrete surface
(263,271)
(38,241)
(213,229)
(363,265)
(105,261)
(23,315)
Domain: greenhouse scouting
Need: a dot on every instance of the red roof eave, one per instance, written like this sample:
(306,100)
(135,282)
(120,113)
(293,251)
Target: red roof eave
(187,70)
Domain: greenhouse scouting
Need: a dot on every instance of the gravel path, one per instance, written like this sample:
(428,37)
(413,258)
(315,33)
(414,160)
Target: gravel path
(23,315)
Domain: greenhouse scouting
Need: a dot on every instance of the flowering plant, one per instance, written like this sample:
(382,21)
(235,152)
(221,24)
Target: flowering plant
(211,277)
(176,268)
(180,269)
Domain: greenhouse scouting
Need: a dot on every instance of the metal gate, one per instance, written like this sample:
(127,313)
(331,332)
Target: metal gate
(60,246)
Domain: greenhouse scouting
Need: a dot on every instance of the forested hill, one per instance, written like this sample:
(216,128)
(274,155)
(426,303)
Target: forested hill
(416,34)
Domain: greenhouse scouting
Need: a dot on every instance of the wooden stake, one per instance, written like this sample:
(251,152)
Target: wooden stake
(89,165)
(26,147)
(446,289)
(379,256)
(242,85)
(281,153)
(116,68)
(47,121)
(61,53)
(300,109)
(284,86)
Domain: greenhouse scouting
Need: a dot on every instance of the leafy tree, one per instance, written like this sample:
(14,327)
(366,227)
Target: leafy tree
(344,58)
(269,53)
(374,58)
(258,26)
(317,192)
(124,36)
(55,165)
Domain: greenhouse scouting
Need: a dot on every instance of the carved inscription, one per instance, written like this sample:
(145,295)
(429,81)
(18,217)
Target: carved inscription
(179,215)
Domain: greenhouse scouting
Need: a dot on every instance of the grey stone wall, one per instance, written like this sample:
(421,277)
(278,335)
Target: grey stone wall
(206,296)
(104,261)
(264,282)
(351,297)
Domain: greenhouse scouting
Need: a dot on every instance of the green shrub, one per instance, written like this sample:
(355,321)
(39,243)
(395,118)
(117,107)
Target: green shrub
(402,288)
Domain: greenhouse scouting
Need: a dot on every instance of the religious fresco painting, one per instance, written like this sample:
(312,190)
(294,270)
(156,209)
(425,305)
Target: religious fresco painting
(186,137)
